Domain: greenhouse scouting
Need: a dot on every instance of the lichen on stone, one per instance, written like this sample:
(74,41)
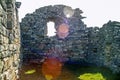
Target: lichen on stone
(91,76)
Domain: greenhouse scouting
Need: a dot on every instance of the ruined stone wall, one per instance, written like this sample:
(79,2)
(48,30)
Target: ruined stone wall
(93,45)
(109,45)
(35,41)
(9,40)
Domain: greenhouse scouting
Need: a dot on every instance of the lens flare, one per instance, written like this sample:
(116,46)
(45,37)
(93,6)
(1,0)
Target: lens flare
(63,28)
(51,68)
(68,12)
(63,31)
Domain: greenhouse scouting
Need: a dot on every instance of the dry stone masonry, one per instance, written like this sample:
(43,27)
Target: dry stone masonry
(9,39)
(84,45)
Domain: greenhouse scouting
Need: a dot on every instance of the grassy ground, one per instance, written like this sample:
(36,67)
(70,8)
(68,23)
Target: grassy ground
(78,70)
(69,72)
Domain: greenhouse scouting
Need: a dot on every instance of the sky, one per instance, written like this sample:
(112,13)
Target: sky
(97,12)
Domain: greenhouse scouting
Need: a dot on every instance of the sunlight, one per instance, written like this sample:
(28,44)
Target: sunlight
(51,29)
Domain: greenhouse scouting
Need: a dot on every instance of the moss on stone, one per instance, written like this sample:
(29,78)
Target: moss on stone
(91,76)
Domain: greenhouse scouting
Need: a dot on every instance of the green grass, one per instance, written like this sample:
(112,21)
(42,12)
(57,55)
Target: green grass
(79,70)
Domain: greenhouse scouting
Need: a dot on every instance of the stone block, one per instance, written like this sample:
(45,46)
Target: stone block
(1,28)
(3,4)
(9,1)
(5,47)
(10,53)
(1,15)
(12,36)
(16,64)
(3,54)
(17,41)
(18,4)
(10,20)
(0,77)
(10,7)
(16,57)
(16,34)
(12,74)
(1,48)
(0,55)
(11,47)
(4,21)
(16,47)
(1,65)
(7,75)
(7,33)
(7,54)
(3,32)
(3,18)
(6,40)
(6,64)
(9,24)
(1,39)
(3,77)
(1,10)
(11,60)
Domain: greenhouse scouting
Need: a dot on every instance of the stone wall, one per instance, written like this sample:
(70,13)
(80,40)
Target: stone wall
(35,41)
(9,40)
(109,45)
(93,45)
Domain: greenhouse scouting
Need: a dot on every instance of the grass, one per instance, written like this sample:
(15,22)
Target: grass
(79,70)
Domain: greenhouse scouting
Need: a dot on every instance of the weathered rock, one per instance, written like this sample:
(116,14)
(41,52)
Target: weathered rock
(9,45)
(97,46)
(35,25)
(1,66)
(18,4)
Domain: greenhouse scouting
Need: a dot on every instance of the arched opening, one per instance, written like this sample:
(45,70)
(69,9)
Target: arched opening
(51,31)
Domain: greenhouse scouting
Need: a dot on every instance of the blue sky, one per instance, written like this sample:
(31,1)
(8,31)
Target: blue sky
(98,12)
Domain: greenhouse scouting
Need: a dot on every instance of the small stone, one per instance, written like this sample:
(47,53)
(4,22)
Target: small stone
(1,66)
(18,4)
